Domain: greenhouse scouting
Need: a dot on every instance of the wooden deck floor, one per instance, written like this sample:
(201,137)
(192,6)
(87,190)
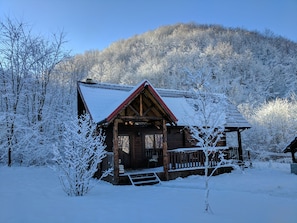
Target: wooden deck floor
(173,174)
(141,171)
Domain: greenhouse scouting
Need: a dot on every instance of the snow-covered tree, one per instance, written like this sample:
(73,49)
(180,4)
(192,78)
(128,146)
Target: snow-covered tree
(79,155)
(207,125)
(274,126)
(27,63)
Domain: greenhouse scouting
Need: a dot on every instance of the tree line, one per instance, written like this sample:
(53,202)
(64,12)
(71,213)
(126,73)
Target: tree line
(32,105)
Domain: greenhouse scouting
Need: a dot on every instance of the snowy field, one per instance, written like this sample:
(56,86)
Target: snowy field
(265,193)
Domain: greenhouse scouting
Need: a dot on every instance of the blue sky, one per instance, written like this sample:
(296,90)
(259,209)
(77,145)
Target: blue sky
(95,24)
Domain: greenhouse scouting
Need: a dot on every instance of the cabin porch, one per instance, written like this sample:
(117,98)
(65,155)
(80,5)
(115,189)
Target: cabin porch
(183,162)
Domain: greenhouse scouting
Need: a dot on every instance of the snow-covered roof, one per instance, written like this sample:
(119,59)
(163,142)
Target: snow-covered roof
(102,99)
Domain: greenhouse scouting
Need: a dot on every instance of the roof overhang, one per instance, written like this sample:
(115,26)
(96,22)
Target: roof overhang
(127,100)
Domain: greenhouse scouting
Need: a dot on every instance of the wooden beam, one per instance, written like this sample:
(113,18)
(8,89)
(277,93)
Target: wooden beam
(116,171)
(154,105)
(134,110)
(165,154)
(140,105)
(147,111)
(240,157)
(139,118)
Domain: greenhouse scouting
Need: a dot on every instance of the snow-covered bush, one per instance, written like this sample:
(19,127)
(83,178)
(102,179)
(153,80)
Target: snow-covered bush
(78,157)
(274,125)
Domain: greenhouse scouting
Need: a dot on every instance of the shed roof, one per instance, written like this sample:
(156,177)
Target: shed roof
(103,100)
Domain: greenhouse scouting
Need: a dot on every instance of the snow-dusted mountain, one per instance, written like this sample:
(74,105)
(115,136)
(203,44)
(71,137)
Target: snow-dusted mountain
(247,66)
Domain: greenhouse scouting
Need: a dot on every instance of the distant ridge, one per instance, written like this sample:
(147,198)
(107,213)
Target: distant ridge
(247,66)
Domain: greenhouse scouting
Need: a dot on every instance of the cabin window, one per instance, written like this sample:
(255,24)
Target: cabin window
(124,144)
(153,141)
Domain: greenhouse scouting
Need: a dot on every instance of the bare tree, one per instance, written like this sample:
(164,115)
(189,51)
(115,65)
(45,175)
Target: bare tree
(27,63)
(206,125)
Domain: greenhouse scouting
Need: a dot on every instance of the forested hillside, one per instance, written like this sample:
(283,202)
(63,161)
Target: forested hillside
(258,72)
(247,66)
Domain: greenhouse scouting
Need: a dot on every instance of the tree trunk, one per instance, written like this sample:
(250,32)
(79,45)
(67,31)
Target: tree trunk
(206,202)
(206,165)
(9,157)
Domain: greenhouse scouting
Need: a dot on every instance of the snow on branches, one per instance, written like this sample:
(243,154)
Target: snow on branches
(77,159)
(207,124)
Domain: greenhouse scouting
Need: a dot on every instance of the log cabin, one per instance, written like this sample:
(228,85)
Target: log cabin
(146,138)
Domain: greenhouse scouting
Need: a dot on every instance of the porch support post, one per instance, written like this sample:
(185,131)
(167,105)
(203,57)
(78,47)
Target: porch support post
(240,157)
(165,155)
(293,156)
(115,152)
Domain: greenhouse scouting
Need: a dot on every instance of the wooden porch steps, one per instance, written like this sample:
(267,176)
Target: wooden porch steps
(141,179)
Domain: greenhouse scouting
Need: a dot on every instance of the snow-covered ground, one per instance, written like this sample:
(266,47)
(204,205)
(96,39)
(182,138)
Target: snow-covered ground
(265,193)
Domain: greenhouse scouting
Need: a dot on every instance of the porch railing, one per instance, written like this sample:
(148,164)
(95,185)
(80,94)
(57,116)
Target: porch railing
(150,152)
(193,157)
(182,158)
